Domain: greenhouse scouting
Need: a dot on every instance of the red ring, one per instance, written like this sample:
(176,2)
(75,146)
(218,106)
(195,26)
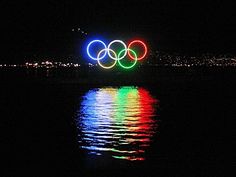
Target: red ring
(145,49)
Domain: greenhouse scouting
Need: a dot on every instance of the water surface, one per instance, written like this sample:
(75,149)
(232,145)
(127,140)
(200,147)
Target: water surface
(119,122)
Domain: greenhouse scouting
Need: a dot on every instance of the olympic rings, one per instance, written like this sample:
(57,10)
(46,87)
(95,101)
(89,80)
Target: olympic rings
(135,57)
(143,44)
(88,47)
(107,67)
(119,55)
(118,41)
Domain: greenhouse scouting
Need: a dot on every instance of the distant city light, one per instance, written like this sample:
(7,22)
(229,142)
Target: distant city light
(79,30)
(156,58)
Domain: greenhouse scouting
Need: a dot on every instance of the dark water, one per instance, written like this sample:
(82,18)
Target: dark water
(175,126)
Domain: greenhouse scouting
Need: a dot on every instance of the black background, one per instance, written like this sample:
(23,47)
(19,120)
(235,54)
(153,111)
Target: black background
(45,28)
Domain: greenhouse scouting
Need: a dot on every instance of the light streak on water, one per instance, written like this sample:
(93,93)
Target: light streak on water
(120,121)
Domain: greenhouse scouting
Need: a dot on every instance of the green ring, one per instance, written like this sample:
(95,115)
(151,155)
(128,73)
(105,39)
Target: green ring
(135,61)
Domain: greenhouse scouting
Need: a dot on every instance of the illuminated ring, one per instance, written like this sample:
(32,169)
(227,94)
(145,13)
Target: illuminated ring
(99,41)
(135,59)
(107,67)
(145,49)
(118,41)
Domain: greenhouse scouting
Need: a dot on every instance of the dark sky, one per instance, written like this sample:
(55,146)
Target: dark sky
(44,29)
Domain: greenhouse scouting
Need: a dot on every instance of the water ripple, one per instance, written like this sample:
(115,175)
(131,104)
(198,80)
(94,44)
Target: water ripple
(119,121)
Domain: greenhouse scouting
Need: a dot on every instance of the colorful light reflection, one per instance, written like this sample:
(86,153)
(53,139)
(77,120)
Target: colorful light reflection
(117,121)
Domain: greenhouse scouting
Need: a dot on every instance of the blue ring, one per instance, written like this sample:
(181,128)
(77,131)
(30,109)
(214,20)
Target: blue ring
(103,49)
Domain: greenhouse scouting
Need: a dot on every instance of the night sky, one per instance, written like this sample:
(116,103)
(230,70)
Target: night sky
(45,29)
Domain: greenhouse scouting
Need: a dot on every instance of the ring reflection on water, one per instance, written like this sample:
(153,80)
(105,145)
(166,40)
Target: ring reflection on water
(118,121)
